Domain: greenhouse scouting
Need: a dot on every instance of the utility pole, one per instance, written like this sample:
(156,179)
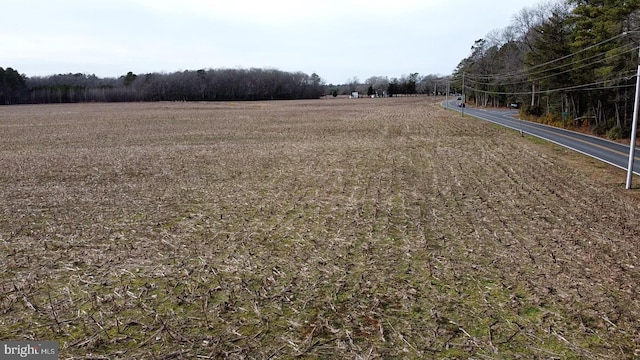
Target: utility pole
(533,95)
(634,127)
(446,97)
(464,99)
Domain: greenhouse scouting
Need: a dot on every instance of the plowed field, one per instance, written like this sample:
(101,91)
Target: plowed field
(336,228)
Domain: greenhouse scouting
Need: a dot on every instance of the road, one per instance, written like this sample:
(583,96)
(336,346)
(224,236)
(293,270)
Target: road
(604,150)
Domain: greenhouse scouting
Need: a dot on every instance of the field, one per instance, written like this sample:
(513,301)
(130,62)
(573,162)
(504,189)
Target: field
(335,228)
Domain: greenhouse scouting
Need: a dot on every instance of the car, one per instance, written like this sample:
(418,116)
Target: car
(459,98)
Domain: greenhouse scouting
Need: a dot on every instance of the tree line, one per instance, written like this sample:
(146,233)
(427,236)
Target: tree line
(569,62)
(410,84)
(200,85)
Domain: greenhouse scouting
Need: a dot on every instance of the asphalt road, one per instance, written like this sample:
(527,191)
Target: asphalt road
(604,150)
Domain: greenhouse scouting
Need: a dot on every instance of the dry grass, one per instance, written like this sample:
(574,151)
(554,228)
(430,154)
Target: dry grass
(384,228)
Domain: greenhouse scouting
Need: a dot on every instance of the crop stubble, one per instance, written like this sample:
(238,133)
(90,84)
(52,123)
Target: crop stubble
(369,228)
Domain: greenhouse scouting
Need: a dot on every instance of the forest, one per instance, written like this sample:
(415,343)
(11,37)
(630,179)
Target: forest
(200,85)
(567,63)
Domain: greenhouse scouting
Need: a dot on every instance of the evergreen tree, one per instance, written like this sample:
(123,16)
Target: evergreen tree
(548,63)
(605,55)
(12,87)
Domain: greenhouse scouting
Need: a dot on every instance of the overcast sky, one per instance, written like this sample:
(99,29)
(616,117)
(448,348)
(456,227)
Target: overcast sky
(337,39)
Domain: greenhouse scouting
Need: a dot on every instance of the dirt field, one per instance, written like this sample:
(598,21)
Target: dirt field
(370,228)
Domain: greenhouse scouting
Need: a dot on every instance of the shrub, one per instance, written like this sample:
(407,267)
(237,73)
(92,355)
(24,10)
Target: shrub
(603,128)
(618,132)
(535,111)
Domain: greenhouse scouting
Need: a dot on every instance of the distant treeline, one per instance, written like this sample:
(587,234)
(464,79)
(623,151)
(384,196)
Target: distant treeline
(200,85)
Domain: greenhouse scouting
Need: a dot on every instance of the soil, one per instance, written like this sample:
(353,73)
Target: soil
(335,228)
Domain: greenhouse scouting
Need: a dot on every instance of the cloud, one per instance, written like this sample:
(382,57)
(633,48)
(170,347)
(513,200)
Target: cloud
(288,12)
(338,39)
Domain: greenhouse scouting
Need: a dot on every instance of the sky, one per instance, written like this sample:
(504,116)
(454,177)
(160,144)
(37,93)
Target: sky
(340,40)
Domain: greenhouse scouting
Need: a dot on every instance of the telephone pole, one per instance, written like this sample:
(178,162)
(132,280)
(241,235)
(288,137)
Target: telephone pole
(464,99)
(634,127)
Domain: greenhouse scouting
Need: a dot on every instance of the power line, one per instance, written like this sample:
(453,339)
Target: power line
(527,72)
(634,49)
(524,76)
(600,57)
(620,78)
(619,51)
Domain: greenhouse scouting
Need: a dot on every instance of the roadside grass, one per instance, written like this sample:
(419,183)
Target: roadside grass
(372,228)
